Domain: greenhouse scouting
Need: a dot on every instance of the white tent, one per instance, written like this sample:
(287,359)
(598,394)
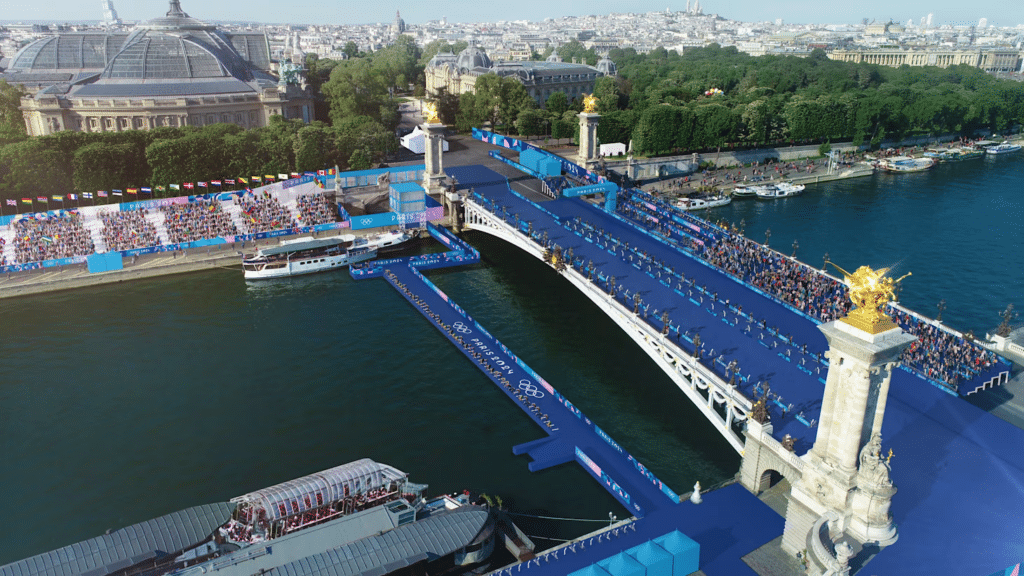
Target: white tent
(613,149)
(415,141)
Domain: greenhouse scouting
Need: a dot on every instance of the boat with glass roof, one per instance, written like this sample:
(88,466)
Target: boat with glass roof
(308,255)
(360,517)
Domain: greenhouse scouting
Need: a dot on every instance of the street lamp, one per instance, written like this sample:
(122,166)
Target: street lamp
(824,264)
(743,225)
(767,236)
(795,246)
(941,306)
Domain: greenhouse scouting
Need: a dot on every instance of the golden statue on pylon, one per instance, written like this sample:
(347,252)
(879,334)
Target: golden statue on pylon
(870,291)
(589,103)
(430,113)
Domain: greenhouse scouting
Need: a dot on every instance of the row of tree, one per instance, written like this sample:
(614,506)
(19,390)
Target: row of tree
(68,161)
(659,101)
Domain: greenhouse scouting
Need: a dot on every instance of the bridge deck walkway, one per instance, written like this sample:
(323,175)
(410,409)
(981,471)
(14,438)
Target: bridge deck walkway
(959,470)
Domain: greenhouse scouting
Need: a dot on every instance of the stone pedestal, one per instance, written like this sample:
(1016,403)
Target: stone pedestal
(844,472)
(433,140)
(588,156)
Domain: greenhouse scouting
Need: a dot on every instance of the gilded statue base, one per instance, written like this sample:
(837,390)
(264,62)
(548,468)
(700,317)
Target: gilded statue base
(869,322)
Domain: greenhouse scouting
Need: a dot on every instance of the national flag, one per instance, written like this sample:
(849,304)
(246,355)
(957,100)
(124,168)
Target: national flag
(321,172)
(319,183)
(269,177)
(188,185)
(101,194)
(47,239)
(133,190)
(215,182)
(87,195)
(175,187)
(230,181)
(256,178)
(296,174)
(117,192)
(147,189)
(201,184)
(72,196)
(331,172)
(58,197)
(160,188)
(26,200)
(12,203)
(41,199)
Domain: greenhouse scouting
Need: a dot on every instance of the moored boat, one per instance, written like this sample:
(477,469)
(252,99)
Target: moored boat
(745,191)
(358,518)
(701,203)
(1004,148)
(906,164)
(780,190)
(954,154)
(309,255)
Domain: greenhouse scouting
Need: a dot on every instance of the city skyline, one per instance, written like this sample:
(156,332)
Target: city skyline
(350,13)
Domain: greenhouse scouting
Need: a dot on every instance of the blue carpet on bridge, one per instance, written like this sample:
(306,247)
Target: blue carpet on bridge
(958,469)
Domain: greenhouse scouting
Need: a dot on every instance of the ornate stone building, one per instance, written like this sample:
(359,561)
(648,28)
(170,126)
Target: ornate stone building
(458,74)
(1003,60)
(170,71)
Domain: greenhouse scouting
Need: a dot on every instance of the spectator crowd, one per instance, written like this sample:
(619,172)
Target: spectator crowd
(263,212)
(314,210)
(55,236)
(937,354)
(126,230)
(198,220)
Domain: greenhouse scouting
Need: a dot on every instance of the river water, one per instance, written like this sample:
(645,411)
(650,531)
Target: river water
(123,402)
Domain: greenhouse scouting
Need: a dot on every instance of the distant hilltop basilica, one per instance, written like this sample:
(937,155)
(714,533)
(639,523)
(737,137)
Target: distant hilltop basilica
(170,71)
(458,74)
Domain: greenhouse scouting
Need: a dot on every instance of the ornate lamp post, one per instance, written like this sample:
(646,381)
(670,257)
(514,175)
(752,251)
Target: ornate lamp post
(767,236)
(941,306)
(795,246)
(825,263)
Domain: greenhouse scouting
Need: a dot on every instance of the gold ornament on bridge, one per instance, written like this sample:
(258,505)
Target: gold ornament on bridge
(430,113)
(589,104)
(870,291)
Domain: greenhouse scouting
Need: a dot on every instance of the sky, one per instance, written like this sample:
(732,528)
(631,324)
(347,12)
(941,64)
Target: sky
(957,12)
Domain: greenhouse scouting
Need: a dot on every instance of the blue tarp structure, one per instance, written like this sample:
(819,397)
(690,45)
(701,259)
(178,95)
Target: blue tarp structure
(657,561)
(104,262)
(623,564)
(592,570)
(685,552)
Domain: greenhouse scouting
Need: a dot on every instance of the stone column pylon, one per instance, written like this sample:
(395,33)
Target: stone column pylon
(587,156)
(433,139)
(844,471)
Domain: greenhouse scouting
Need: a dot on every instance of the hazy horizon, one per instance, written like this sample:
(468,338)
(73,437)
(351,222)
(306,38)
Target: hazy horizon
(944,12)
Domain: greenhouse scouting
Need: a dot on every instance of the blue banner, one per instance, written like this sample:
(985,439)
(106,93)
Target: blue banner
(296,181)
(374,220)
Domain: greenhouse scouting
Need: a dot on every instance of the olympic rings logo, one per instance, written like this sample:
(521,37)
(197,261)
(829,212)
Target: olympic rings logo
(461,328)
(530,389)
(366,221)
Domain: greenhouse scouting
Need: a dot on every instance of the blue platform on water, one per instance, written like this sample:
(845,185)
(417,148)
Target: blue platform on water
(959,470)
(730,523)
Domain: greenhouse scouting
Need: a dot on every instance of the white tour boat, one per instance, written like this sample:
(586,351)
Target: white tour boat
(702,203)
(780,190)
(309,255)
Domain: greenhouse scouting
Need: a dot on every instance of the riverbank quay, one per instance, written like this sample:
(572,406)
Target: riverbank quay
(15,284)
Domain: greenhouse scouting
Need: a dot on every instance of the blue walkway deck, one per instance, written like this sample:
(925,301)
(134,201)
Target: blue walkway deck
(729,524)
(959,470)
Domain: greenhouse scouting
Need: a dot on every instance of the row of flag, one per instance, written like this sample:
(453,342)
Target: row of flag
(186,186)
